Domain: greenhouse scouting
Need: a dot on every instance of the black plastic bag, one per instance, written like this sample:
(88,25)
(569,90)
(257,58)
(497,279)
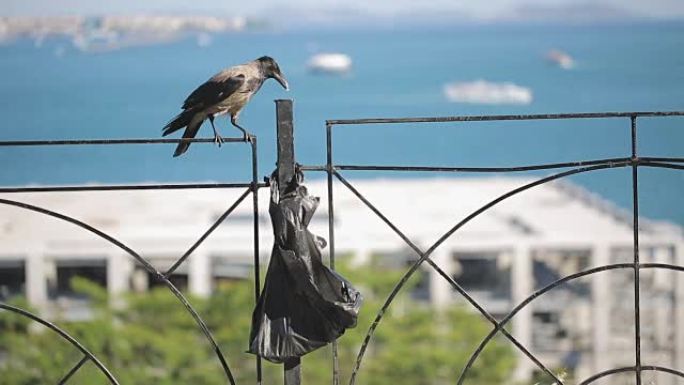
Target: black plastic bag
(304,304)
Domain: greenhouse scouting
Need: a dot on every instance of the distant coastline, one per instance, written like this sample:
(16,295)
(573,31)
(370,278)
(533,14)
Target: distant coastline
(106,33)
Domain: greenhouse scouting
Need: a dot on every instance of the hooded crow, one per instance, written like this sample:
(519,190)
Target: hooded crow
(227,92)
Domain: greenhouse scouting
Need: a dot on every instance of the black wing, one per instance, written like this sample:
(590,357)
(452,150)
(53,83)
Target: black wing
(213,91)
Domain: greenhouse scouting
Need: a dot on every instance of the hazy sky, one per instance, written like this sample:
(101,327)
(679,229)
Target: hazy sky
(484,9)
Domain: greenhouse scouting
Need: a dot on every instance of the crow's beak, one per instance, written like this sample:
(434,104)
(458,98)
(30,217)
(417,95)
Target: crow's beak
(281,79)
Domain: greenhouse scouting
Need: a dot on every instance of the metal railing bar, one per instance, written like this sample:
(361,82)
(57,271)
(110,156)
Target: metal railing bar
(607,373)
(82,142)
(525,302)
(313,168)
(662,165)
(635,232)
(73,370)
(64,335)
(629,369)
(662,369)
(182,186)
(255,219)
(138,258)
(661,159)
(485,118)
(546,166)
(444,275)
(204,236)
(481,169)
(329,169)
(661,266)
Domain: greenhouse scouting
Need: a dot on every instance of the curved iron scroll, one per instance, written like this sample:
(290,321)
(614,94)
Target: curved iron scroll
(425,256)
(633,161)
(64,335)
(251,187)
(610,372)
(158,275)
(332,171)
(547,288)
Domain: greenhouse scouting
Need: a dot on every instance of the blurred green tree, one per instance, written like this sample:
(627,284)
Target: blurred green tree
(150,339)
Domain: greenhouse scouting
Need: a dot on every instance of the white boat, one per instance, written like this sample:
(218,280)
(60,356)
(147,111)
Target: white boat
(335,63)
(560,58)
(484,92)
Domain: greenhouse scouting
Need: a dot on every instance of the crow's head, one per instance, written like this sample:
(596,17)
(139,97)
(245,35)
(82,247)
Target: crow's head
(271,70)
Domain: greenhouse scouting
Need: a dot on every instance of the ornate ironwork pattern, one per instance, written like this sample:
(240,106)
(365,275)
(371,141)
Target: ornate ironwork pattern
(334,173)
(633,161)
(251,188)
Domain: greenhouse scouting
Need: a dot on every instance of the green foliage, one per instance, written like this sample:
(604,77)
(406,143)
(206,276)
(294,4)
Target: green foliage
(150,339)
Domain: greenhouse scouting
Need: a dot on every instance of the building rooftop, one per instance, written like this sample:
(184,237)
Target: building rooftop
(168,222)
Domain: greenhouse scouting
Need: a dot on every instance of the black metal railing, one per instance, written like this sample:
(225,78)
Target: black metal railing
(334,173)
(251,188)
(631,160)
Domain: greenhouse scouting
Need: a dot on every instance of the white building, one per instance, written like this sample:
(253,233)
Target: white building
(500,257)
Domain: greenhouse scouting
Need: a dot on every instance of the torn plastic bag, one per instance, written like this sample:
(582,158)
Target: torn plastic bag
(304,305)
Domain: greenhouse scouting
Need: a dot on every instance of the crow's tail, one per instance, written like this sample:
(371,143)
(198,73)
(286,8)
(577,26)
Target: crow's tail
(179,121)
(190,132)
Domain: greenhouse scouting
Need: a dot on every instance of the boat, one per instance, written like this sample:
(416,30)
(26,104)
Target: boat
(560,59)
(333,63)
(484,92)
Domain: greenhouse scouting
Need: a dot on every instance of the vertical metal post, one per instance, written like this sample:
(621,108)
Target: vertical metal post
(286,173)
(331,207)
(331,233)
(285,131)
(637,263)
(255,213)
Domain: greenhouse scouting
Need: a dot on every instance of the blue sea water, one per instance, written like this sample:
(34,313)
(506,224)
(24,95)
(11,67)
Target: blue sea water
(133,92)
